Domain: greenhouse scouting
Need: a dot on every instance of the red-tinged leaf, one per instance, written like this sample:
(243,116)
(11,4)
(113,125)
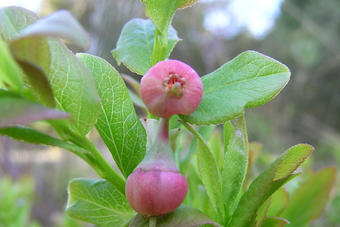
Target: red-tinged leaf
(15,110)
(274,222)
(32,136)
(262,212)
(60,24)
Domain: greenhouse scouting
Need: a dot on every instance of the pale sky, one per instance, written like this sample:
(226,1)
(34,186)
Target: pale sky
(257,16)
(33,5)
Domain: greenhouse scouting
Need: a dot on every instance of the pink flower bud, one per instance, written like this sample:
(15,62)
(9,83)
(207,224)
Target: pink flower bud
(171,87)
(155,192)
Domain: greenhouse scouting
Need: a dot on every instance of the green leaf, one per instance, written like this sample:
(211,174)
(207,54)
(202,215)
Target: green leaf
(211,178)
(135,45)
(29,135)
(274,222)
(60,24)
(118,123)
(262,212)
(97,202)
(71,81)
(37,79)
(183,216)
(16,201)
(235,163)
(13,19)
(267,183)
(10,72)
(15,109)
(309,200)
(279,202)
(162,12)
(249,80)
(216,143)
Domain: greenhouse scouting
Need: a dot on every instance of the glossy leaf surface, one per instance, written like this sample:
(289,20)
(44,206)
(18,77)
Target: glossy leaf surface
(135,45)
(97,202)
(251,79)
(118,123)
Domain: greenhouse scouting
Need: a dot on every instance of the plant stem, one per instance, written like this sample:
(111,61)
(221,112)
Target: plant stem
(85,149)
(160,155)
(164,129)
(196,134)
(247,177)
(152,222)
(104,169)
(159,46)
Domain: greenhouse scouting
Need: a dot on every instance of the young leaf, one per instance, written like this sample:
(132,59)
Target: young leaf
(161,12)
(15,109)
(216,144)
(279,202)
(267,183)
(183,216)
(235,163)
(135,45)
(10,72)
(310,199)
(71,81)
(249,80)
(60,24)
(211,178)
(97,202)
(262,212)
(118,123)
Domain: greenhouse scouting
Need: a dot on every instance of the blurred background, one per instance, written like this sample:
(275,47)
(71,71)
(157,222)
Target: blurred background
(303,34)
